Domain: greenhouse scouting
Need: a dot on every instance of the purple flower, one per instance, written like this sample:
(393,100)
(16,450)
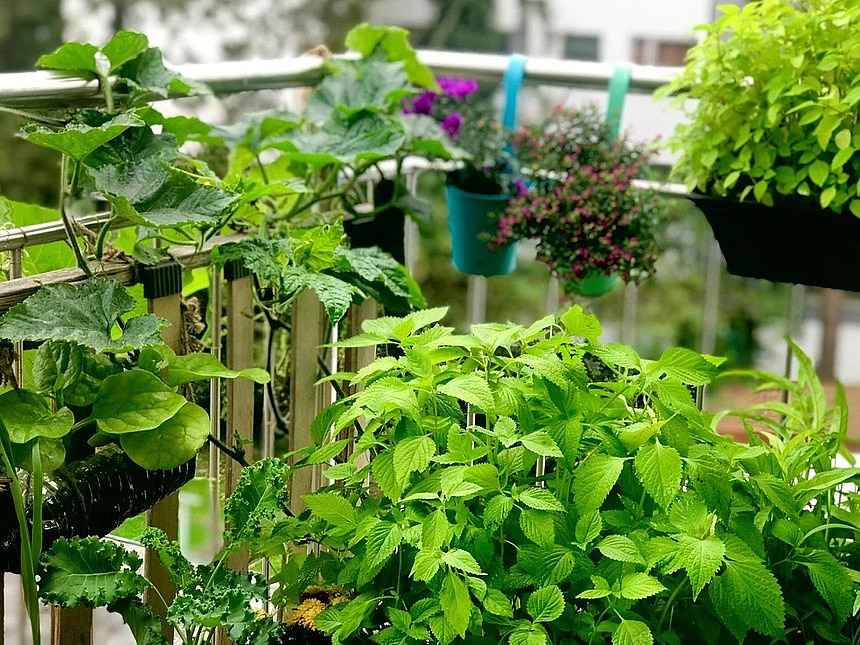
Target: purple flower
(452,124)
(421,104)
(458,88)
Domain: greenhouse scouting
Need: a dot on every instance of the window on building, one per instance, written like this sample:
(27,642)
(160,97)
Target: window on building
(581,47)
(647,51)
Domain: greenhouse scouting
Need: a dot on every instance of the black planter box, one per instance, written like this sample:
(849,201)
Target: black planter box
(793,244)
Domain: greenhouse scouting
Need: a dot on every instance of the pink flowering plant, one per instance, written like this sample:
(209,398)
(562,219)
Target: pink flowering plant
(470,125)
(581,205)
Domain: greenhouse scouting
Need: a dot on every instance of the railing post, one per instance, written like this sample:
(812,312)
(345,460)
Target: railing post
(162,287)
(308,331)
(240,392)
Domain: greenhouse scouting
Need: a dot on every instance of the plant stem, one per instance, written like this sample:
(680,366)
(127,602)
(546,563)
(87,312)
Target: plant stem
(669,602)
(38,482)
(28,571)
(68,224)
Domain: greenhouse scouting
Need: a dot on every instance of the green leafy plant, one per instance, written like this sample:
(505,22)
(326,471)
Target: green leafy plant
(533,485)
(100,377)
(209,596)
(776,111)
(581,205)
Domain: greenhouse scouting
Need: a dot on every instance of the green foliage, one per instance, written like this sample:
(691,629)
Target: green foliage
(505,489)
(777,95)
(113,366)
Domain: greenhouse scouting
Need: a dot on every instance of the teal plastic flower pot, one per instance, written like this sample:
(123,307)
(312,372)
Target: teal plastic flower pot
(592,285)
(472,221)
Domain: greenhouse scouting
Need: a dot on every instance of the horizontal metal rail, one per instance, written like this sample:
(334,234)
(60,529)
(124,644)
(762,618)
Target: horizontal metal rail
(42,89)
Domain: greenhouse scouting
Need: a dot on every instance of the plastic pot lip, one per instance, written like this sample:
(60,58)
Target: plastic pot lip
(477,196)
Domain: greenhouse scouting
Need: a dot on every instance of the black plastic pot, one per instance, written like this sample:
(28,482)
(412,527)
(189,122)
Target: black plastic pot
(796,244)
(385,230)
(91,497)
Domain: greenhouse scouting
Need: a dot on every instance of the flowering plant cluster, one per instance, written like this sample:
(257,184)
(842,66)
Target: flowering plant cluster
(472,128)
(581,205)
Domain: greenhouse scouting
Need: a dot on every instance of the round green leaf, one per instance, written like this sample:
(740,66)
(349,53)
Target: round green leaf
(172,443)
(134,401)
(27,415)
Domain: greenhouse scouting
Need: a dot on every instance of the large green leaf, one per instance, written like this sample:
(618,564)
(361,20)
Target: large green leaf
(179,200)
(90,572)
(702,558)
(85,314)
(82,59)
(632,632)
(370,85)
(261,494)
(172,443)
(546,604)
(364,136)
(369,39)
(134,165)
(456,603)
(28,415)
(58,365)
(79,140)
(687,366)
(331,507)
(659,470)
(470,388)
(134,401)
(747,596)
(595,477)
(202,366)
(146,76)
(832,580)
(412,454)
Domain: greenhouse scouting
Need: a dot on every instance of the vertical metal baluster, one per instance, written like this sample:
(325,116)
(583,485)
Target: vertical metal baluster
(215,415)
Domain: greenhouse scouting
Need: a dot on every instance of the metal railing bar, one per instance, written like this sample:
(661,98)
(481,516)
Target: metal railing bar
(41,89)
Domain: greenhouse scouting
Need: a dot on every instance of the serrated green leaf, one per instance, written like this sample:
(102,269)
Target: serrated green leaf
(747,596)
(427,563)
(78,140)
(701,559)
(260,496)
(636,586)
(588,527)
(497,510)
(578,323)
(470,388)
(385,476)
(331,507)
(541,499)
(462,560)
(436,531)
(632,632)
(171,443)
(382,540)
(659,468)
(833,582)
(687,366)
(413,454)
(541,443)
(555,566)
(90,572)
(456,603)
(89,314)
(595,478)
(620,548)
(498,604)
(484,475)
(28,415)
(545,604)
(133,401)
(537,526)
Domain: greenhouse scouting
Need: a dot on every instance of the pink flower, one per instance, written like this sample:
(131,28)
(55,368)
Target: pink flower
(458,88)
(452,124)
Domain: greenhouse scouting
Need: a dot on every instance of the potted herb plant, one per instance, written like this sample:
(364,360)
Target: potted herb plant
(478,189)
(770,144)
(592,226)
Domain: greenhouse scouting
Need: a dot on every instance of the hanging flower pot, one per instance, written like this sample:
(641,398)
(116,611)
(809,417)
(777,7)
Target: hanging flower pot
(472,221)
(793,243)
(592,285)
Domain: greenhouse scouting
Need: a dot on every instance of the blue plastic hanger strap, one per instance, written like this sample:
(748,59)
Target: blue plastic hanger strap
(618,86)
(512,81)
